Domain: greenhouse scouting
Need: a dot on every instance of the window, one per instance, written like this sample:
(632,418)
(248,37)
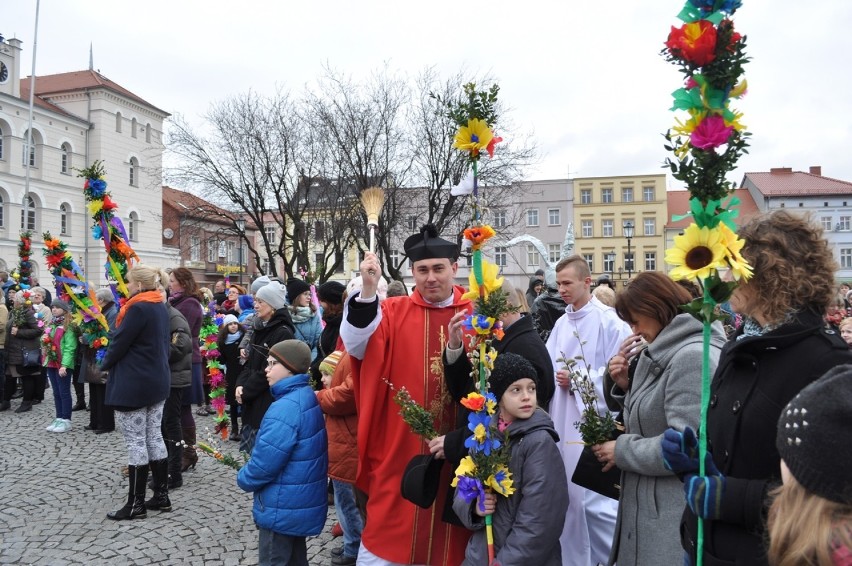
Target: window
(553,252)
(846,258)
(2,211)
(394,259)
(243,256)
(270,232)
(609,262)
(65,159)
(499,218)
(533,257)
(133,227)
(134,172)
(1,143)
(650,261)
(532,217)
(212,250)
(628,262)
(588,228)
(341,264)
(606,196)
(118,122)
(267,267)
(586,196)
(28,214)
(648,194)
(650,226)
(412,223)
(607,228)
(319,230)
(223,249)
(844,223)
(63,219)
(194,248)
(626,194)
(554,217)
(29,142)
(133,127)
(826,223)
(232,252)
(590,259)
(500,256)
(319,263)
(147,133)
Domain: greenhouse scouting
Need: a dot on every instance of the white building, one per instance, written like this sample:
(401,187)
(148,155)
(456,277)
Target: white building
(78,118)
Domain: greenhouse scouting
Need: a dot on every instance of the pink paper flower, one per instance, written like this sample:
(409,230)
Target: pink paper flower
(710,133)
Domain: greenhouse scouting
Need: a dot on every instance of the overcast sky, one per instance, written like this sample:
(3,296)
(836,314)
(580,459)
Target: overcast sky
(585,77)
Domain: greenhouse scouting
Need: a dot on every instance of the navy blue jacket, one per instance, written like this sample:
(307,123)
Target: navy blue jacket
(288,468)
(137,358)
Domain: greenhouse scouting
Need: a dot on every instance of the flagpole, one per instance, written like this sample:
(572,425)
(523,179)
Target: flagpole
(29,141)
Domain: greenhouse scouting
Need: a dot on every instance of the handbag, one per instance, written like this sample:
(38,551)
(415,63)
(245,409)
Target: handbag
(94,374)
(30,358)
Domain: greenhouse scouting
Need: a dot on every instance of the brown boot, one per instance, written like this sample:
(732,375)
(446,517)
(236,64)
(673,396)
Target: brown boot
(190,457)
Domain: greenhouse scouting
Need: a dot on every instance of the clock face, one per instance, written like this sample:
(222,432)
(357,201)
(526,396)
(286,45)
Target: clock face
(4,72)
(168,233)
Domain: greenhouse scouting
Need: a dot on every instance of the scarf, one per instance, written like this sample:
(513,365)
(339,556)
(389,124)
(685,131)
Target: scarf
(233,337)
(301,314)
(140,297)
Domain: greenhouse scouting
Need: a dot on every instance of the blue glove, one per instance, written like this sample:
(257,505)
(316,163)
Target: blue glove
(704,493)
(680,451)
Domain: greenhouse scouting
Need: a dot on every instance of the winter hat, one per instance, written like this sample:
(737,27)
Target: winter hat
(509,368)
(261,281)
(60,304)
(396,289)
(293,354)
(426,244)
(296,287)
(273,294)
(229,318)
(331,292)
(813,435)
(329,364)
(245,302)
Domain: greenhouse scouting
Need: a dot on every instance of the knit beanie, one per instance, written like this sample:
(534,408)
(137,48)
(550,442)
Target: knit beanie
(261,281)
(293,354)
(273,294)
(59,303)
(329,364)
(331,292)
(509,368)
(245,302)
(813,436)
(229,318)
(296,287)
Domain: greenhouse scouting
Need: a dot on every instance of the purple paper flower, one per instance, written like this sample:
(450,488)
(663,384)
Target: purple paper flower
(470,489)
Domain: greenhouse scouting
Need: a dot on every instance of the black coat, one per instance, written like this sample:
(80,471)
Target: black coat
(180,349)
(545,311)
(756,378)
(27,337)
(256,396)
(137,358)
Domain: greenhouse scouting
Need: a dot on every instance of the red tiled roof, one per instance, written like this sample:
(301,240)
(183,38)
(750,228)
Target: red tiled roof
(788,183)
(78,80)
(198,207)
(678,204)
(42,103)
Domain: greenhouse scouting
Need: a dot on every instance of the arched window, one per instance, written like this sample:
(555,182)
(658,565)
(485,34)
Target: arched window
(133,227)
(64,219)
(29,144)
(2,211)
(28,214)
(134,172)
(147,134)
(118,122)
(65,158)
(133,125)
(1,141)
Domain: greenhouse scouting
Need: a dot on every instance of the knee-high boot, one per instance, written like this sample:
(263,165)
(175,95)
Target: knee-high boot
(135,506)
(160,473)
(190,457)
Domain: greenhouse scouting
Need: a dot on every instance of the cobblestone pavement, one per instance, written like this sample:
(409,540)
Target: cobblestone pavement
(56,488)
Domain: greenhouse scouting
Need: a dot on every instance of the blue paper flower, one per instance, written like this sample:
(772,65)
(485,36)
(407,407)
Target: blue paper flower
(96,232)
(471,488)
(97,187)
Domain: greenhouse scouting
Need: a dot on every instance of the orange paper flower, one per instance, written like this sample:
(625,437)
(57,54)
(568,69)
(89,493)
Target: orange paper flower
(473,402)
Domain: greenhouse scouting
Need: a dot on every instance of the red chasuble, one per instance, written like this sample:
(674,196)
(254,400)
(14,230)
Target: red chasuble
(405,350)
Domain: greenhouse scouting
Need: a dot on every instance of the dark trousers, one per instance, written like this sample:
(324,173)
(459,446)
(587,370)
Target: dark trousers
(101,417)
(79,390)
(40,384)
(172,432)
(5,391)
(275,549)
(30,384)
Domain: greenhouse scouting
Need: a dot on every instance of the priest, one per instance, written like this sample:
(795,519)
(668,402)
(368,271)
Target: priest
(399,344)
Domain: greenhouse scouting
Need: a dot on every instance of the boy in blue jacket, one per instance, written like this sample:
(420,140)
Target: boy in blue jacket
(288,468)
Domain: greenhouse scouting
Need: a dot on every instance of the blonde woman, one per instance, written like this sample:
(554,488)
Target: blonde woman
(137,359)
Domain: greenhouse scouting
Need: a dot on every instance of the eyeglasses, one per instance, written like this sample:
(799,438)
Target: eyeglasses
(272,363)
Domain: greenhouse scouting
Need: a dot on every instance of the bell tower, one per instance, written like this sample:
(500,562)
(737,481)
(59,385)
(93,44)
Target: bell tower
(10,67)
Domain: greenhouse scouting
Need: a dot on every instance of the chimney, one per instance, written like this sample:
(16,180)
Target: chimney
(816,170)
(780,170)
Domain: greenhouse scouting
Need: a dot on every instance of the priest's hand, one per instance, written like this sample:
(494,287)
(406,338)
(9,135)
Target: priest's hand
(371,272)
(436,447)
(455,330)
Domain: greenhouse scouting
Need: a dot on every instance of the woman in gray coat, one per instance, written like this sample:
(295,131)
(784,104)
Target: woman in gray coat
(665,391)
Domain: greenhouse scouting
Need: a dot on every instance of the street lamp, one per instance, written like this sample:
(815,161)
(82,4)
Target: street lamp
(241,228)
(628,233)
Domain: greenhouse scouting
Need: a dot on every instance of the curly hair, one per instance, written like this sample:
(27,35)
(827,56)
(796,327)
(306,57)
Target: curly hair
(793,265)
(805,528)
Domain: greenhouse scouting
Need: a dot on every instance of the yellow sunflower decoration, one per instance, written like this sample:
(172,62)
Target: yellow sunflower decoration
(697,253)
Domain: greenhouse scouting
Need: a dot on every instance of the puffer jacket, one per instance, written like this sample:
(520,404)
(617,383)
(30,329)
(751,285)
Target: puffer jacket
(528,524)
(180,349)
(341,423)
(288,467)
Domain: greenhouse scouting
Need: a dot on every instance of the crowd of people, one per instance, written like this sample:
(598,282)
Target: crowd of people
(311,377)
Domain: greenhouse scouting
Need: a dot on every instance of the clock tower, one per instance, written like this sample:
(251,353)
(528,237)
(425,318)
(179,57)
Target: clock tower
(10,67)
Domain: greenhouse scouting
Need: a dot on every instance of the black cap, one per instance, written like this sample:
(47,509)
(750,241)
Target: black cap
(421,479)
(331,292)
(428,245)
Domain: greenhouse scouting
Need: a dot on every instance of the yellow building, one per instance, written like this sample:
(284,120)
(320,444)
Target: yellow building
(619,224)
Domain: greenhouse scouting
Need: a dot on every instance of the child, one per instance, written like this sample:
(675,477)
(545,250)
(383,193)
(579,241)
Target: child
(528,523)
(328,366)
(846,330)
(810,521)
(229,348)
(289,464)
(60,350)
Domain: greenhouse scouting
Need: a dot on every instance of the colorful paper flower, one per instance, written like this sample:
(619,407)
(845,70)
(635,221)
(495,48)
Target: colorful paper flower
(490,281)
(494,141)
(474,137)
(694,42)
(501,482)
(473,402)
(478,323)
(478,235)
(697,253)
(470,489)
(711,133)
(740,268)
